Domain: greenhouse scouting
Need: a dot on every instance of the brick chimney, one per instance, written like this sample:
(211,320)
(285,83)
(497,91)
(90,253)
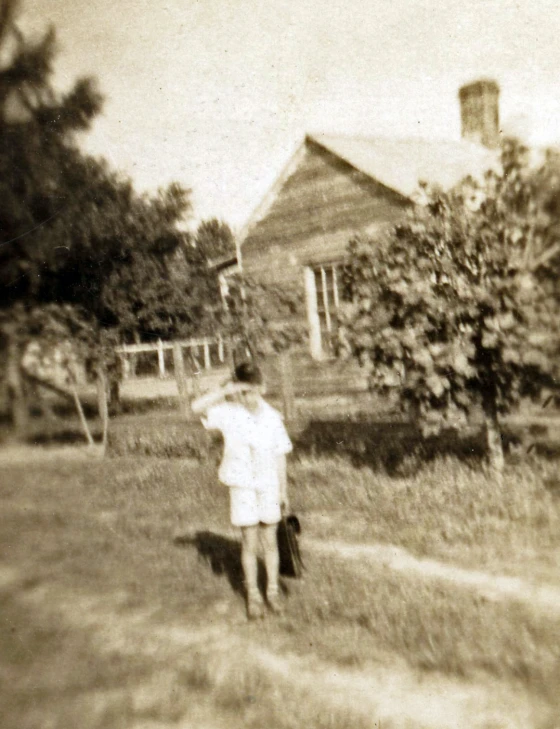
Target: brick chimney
(480,113)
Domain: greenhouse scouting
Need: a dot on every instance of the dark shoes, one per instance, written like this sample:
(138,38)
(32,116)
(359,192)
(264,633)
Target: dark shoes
(275,604)
(255,605)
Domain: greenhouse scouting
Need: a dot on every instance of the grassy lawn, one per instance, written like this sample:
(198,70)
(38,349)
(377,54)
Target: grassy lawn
(143,545)
(448,510)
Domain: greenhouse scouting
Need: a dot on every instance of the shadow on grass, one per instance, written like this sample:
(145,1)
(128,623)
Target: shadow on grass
(395,447)
(47,434)
(400,449)
(62,437)
(223,555)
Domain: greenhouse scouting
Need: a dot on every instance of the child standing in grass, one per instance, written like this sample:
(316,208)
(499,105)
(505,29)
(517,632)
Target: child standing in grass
(254,469)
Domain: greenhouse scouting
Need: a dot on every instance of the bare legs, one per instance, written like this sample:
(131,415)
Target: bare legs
(271,558)
(249,544)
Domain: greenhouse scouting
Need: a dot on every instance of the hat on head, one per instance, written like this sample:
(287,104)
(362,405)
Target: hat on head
(248,373)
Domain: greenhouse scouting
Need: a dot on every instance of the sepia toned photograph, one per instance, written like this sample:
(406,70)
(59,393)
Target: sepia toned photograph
(279,364)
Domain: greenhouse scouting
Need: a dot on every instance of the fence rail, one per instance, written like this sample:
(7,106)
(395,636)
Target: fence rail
(156,346)
(200,351)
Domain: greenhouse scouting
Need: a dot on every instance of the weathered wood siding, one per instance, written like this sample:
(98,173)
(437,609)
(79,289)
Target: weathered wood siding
(320,206)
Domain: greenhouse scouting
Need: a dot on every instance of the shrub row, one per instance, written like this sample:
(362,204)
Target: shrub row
(396,447)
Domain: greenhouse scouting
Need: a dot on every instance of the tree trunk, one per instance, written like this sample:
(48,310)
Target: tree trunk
(133,359)
(193,382)
(494,446)
(16,393)
(82,416)
(229,355)
(114,396)
(102,404)
(181,379)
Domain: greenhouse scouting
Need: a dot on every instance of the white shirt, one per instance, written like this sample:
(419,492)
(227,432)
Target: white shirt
(252,444)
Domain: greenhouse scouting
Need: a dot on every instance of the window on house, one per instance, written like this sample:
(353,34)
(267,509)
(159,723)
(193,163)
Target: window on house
(328,286)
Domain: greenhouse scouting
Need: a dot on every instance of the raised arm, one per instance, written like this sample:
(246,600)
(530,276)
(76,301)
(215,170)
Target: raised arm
(203,403)
(207,400)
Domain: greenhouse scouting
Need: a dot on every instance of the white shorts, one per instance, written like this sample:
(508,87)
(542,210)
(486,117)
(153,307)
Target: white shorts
(248,507)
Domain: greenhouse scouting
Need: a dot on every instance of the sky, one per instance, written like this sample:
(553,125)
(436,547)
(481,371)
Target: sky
(217,94)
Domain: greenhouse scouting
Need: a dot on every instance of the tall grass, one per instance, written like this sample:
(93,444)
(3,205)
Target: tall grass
(445,509)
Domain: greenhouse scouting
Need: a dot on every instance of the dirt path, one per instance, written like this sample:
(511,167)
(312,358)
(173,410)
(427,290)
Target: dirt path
(396,696)
(545,598)
(541,597)
(17,454)
(389,694)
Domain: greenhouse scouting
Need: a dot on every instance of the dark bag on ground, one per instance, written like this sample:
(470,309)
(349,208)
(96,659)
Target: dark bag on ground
(291,563)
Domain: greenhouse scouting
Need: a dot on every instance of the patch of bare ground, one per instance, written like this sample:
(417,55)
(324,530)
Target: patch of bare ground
(216,671)
(542,598)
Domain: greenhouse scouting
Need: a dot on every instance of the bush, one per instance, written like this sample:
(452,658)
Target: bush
(396,448)
(161,437)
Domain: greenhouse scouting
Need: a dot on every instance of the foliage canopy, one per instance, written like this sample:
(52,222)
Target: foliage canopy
(77,242)
(456,309)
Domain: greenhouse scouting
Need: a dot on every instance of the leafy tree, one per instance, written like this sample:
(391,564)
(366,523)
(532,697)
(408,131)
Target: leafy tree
(176,295)
(215,239)
(73,232)
(261,318)
(33,121)
(451,311)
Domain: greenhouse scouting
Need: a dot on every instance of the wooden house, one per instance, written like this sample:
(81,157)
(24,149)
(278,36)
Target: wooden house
(337,186)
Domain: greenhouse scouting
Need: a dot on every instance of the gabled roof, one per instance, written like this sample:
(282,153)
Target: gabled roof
(401,164)
(398,164)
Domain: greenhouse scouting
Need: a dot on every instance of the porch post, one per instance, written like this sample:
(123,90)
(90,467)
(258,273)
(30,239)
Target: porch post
(313,321)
